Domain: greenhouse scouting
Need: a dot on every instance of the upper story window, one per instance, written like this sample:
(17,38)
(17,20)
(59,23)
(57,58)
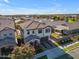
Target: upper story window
(33,32)
(10,33)
(39,30)
(5,34)
(47,30)
(28,32)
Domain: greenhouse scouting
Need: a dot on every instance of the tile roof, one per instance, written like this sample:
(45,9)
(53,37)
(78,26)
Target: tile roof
(51,22)
(63,23)
(73,26)
(41,23)
(26,24)
(31,24)
(6,22)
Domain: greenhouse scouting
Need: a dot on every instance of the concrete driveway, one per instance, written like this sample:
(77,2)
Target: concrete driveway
(74,53)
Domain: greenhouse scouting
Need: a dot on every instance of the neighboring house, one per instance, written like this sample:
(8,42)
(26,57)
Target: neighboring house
(7,32)
(34,30)
(64,27)
(73,28)
(44,27)
(56,25)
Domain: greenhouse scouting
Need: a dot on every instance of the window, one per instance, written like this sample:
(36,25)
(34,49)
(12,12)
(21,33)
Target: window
(28,32)
(10,33)
(33,32)
(39,30)
(47,30)
(5,34)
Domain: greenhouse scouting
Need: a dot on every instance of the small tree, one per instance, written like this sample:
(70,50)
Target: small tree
(23,52)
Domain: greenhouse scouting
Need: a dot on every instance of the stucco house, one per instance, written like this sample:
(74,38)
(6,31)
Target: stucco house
(7,32)
(33,27)
(33,30)
(73,28)
(64,27)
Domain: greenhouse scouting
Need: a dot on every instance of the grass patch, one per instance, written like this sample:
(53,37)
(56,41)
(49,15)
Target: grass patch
(69,48)
(43,57)
(55,35)
(57,44)
(72,21)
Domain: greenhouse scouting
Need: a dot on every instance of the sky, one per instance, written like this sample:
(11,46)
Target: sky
(10,7)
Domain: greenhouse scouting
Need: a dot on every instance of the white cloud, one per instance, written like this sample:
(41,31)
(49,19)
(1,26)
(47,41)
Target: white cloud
(7,1)
(11,11)
(24,11)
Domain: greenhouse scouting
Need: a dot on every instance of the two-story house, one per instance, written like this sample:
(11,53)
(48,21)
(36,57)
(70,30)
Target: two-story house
(7,32)
(33,30)
(73,28)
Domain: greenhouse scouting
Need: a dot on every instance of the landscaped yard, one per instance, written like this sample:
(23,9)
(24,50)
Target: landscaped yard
(71,47)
